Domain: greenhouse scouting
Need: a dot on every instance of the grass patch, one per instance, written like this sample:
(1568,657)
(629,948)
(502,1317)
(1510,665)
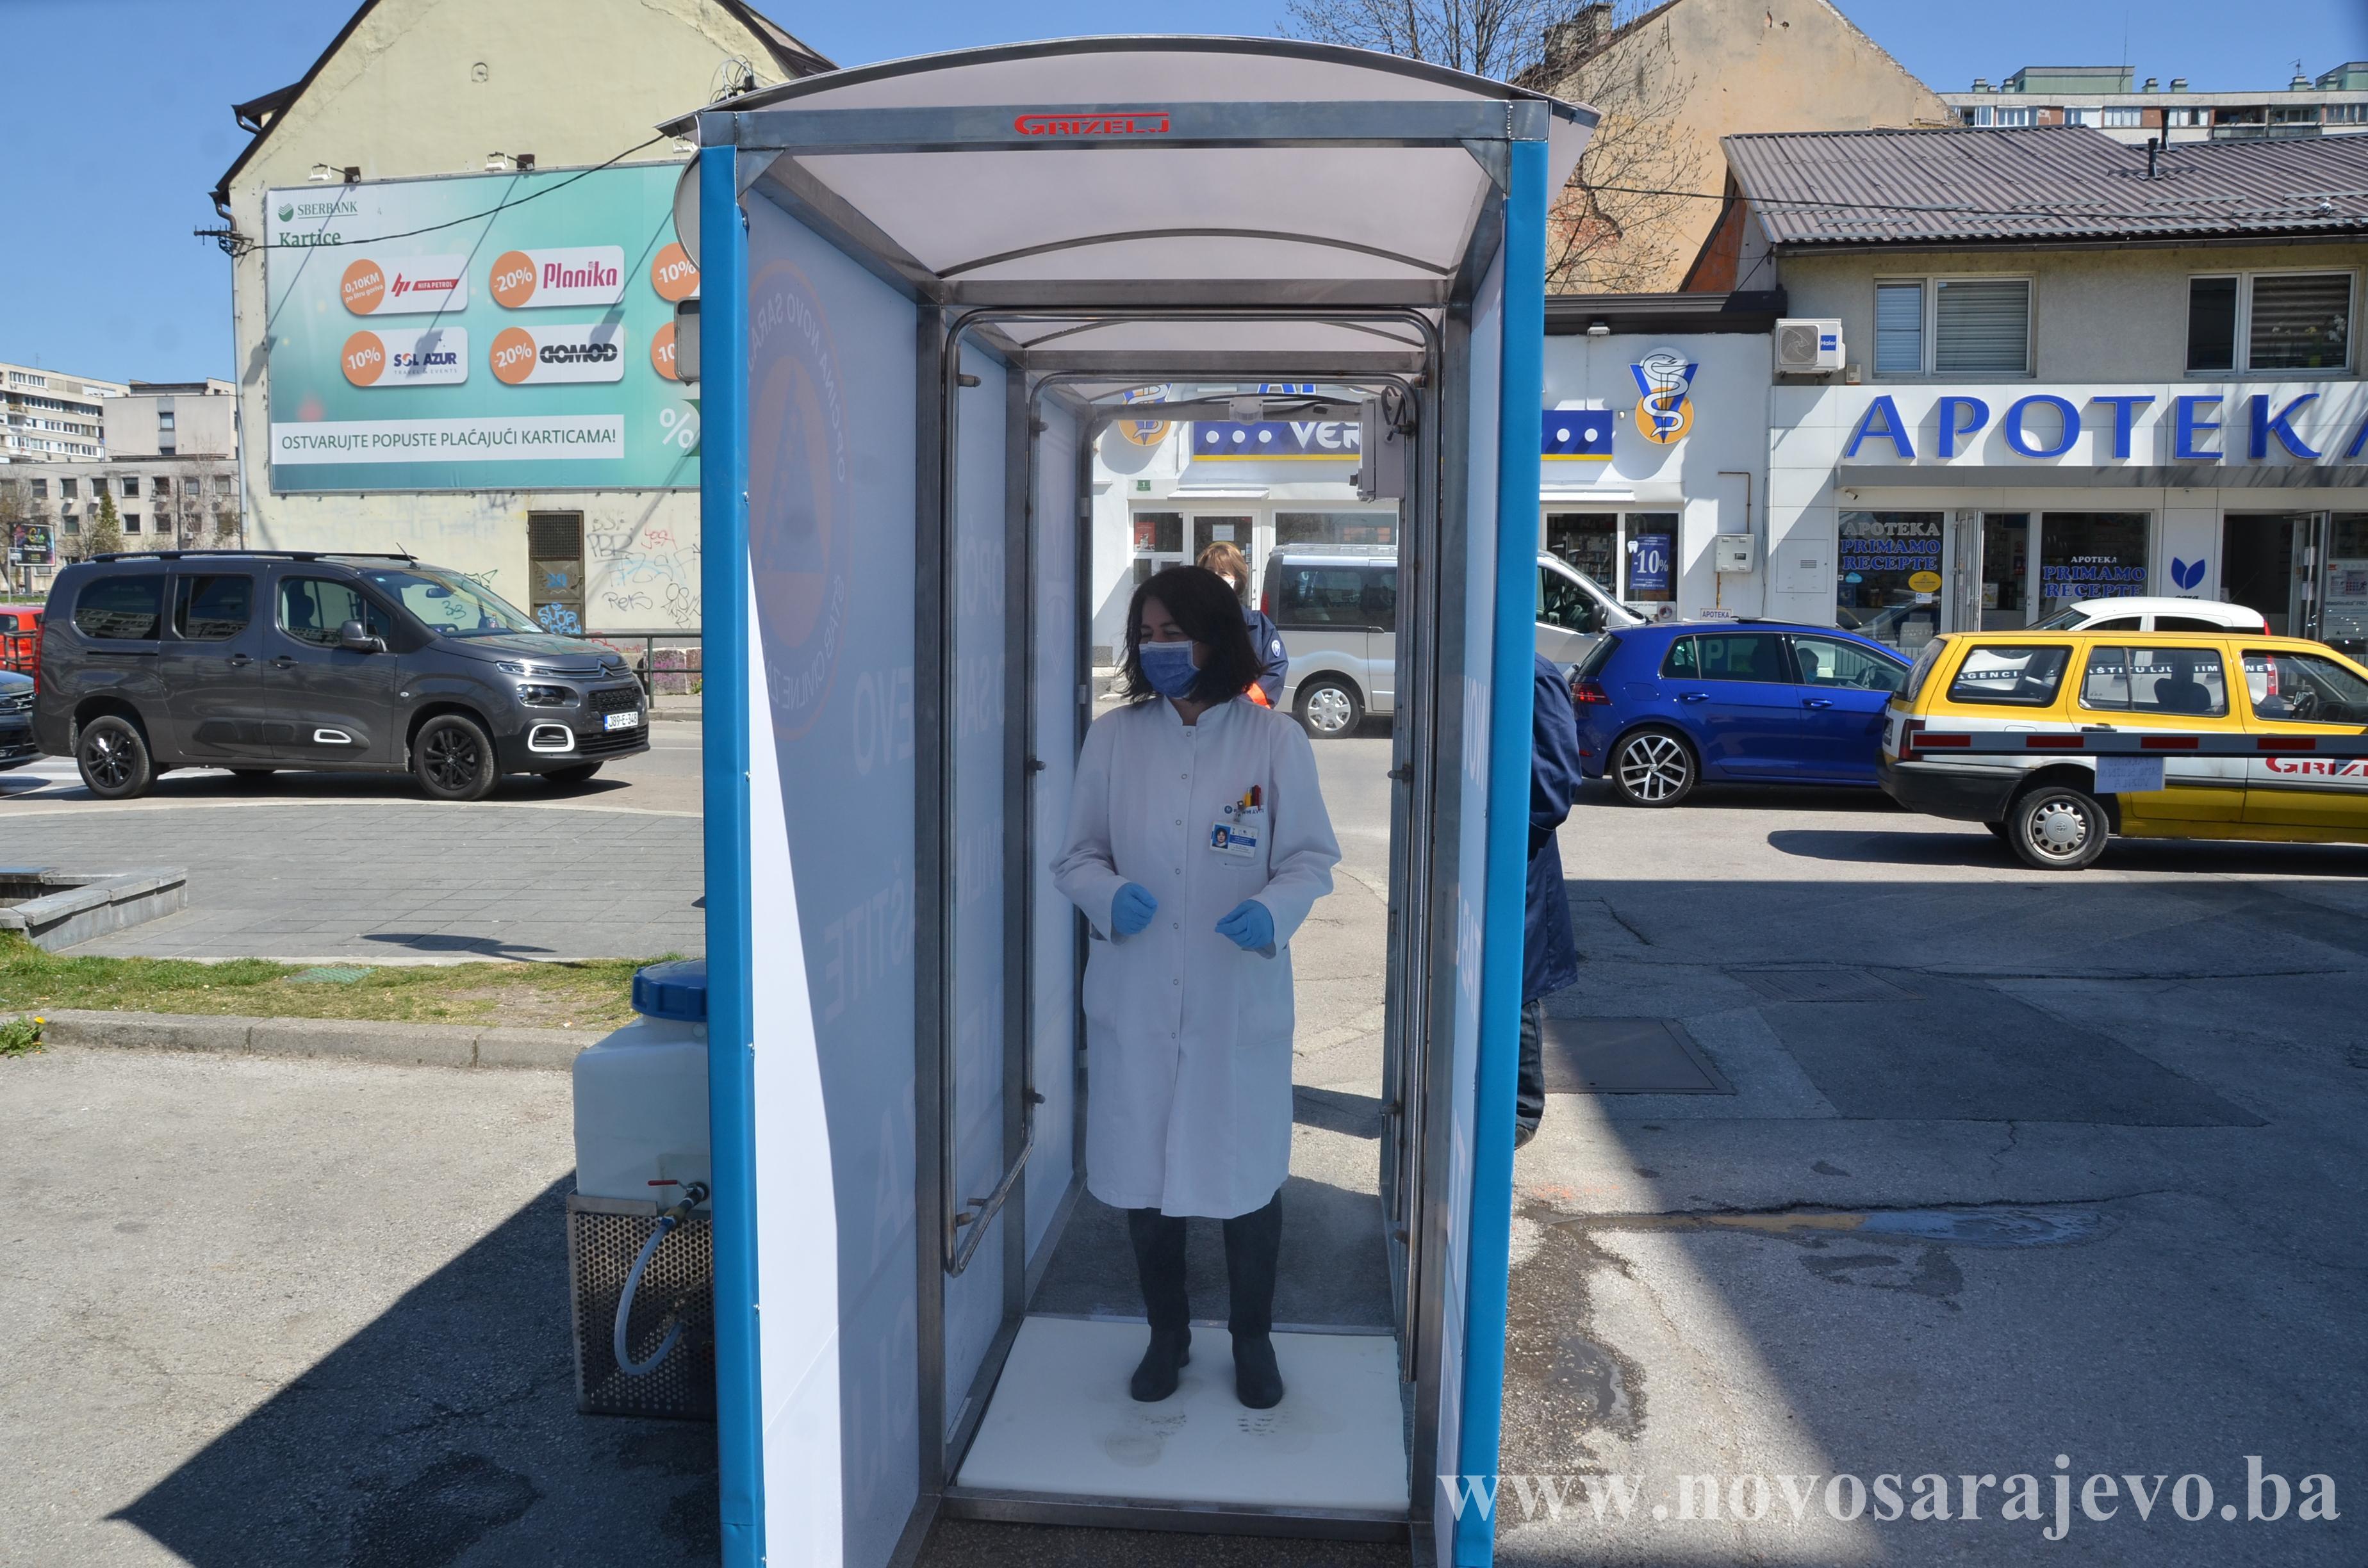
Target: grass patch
(595,994)
(21,1037)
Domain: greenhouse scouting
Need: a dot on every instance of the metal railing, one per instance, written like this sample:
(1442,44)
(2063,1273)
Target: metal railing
(667,663)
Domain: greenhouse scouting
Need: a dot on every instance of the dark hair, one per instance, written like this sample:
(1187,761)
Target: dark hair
(1204,604)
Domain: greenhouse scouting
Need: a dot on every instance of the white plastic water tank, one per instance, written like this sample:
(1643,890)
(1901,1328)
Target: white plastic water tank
(640,1094)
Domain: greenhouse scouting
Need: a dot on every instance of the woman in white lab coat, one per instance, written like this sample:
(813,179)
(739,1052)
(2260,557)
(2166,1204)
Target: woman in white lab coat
(1197,841)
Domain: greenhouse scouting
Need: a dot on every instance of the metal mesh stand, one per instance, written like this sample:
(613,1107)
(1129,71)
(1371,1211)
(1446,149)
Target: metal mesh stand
(604,1235)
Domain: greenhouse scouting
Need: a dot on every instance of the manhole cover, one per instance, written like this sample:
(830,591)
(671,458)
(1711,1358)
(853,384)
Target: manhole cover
(331,975)
(1821,985)
(1626,1056)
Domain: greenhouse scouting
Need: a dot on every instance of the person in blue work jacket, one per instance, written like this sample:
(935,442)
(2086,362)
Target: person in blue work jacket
(1274,665)
(1197,841)
(1549,956)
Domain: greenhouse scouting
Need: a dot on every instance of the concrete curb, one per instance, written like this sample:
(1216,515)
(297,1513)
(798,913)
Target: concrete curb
(351,1039)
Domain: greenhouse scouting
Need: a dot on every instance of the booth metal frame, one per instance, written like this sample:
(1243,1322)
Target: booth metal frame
(1412,335)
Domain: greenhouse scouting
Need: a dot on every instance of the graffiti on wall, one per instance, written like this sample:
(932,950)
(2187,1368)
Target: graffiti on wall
(643,577)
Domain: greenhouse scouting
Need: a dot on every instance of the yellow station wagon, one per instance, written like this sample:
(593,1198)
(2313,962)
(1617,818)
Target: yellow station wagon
(2229,722)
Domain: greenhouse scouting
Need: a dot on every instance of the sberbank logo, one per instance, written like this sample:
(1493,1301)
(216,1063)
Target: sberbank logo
(292,210)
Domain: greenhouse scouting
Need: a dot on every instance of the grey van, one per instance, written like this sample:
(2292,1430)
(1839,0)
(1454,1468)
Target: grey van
(256,661)
(1336,607)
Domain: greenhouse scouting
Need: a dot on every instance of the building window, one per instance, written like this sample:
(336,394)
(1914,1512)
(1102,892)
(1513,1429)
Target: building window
(160,487)
(2347,114)
(130,484)
(1976,326)
(163,419)
(2183,116)
(66,489)
(2285,321)
(2124,118)
(40,490)
(131,522)
(2089,115)
(1899,329)
(2016,117)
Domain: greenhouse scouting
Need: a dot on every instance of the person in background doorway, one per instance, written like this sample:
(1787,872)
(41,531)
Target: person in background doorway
(1197,841)
(1549,956)
(1274,665)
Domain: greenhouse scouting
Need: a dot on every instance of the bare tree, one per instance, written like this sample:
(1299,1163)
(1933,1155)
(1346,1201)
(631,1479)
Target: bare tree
(1610,229)
(1503,39)
(1617,228)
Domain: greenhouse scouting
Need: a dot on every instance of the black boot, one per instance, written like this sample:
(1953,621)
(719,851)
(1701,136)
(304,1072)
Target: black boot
(1159,1266)
(1253,1247)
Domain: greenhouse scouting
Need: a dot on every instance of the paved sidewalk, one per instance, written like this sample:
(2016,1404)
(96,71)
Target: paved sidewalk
(391,879)
(285,1315)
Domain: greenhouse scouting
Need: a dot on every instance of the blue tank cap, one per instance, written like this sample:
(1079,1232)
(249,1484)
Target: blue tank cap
(676,991)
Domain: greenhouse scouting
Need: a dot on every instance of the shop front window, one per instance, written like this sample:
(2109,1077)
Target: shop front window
(1588,543)
(1158,543)
(2090,555)
(2343,617)
(1379,529)
(1652,558)
(1887,577)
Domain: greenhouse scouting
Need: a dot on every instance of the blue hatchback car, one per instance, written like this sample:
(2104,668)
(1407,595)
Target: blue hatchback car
(1665,706)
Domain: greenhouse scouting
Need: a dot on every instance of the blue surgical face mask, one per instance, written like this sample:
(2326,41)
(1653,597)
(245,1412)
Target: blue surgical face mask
(1169,668)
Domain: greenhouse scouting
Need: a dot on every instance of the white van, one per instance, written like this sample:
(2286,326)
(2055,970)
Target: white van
(1336,607)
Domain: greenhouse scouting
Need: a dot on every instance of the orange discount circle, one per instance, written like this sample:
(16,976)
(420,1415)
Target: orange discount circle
(365,287)
(662,352)
(512,355)
(364,359)
(672,273)
(512,279)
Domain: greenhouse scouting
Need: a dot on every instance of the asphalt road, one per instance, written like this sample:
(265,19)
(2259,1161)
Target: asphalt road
(2014,1166)
(358,867)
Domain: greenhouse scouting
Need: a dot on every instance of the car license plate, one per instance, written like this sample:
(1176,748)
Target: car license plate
(627,721)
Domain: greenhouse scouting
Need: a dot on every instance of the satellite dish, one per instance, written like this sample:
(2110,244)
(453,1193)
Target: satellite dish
(686,209)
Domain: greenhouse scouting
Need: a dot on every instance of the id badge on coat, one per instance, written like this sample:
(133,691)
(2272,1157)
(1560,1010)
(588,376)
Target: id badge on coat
(1240,832)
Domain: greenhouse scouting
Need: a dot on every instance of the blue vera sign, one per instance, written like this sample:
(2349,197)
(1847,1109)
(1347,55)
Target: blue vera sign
(1575,434)
(1275,440)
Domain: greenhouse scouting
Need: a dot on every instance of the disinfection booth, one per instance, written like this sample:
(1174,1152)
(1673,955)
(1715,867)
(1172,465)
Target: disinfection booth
(927,286)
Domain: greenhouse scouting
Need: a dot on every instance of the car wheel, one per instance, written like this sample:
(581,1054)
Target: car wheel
(2057,828)
(112,755)
(1652,767)
(1330,709)
(453,759)
(580,773)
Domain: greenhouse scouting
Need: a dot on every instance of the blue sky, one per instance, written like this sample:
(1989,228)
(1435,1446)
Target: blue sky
(123,119)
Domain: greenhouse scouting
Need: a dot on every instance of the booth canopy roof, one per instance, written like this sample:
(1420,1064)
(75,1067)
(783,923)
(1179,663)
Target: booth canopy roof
(1247,224)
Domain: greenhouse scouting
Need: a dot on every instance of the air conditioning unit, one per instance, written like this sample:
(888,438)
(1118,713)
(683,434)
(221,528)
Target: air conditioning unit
(1805,346)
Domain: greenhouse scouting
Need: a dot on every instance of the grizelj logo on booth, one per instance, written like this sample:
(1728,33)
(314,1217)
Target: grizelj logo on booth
(1093,124)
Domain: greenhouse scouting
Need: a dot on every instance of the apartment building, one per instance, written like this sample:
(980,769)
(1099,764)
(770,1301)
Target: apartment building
(2109,98)
(52,415)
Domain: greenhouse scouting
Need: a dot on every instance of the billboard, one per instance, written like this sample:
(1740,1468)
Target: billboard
(489,331)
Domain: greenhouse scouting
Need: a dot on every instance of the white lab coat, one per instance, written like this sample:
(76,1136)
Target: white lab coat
(1188,1037)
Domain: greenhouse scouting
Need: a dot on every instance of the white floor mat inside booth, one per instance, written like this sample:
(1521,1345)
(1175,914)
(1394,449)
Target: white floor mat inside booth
(1061,1422)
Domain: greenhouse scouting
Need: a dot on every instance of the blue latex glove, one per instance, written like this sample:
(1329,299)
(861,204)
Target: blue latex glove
(1250,926)
(1131,910)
